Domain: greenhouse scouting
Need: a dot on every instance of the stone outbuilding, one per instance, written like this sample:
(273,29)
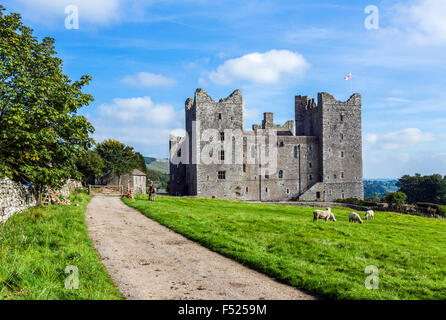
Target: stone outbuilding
(137,180)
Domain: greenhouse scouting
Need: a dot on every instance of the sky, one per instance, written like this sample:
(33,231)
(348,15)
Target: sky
(147,57)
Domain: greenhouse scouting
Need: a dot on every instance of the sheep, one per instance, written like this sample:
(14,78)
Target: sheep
(354,217)
(370,214)
(325,215)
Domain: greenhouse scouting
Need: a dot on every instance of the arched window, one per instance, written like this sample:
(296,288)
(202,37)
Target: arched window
(280,174)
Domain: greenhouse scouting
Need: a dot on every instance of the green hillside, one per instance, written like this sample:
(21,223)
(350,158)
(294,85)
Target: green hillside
(161,165)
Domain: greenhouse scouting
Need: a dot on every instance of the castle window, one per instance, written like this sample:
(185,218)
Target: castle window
(244,167)
(221,175)
(281,144)
(310,177)
(341,136)
(342,175)
(342,154)
(247,189)
(342,117)
(288,191)
(222,136)
(266,190)
(222,155)
(179,153)
(295,152)
(266,176)
(310,165)
(310,147)
(335,176)
(280,174)
(219,116)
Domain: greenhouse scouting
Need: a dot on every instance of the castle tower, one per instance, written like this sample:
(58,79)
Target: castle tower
(341,146)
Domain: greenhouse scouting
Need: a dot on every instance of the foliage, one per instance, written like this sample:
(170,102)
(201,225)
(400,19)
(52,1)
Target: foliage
(328,259)
(40,130)
(140,162)
(440,210)
(376,189)
(118,158)
(423,188)
(153,175)
(39,244)
(395,199)
(90,164)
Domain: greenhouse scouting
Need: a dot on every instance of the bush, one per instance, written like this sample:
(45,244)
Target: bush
(423,207)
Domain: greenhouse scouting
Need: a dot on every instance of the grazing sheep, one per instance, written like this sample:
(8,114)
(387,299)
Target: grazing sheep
(354,217)
(324,215)
(370,214)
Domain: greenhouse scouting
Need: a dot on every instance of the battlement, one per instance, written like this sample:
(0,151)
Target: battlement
(268,123)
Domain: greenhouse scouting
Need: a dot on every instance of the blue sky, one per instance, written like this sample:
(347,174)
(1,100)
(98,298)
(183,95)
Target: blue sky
(147,57)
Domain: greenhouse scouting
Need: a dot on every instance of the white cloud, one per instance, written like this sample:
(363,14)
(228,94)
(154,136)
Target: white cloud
(267,68)
(138,122)
(91,11)
(424,21)
(146,79)
(138,110)
(398,139)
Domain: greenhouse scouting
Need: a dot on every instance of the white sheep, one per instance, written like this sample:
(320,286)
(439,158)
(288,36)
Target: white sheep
(354,217)
(324,215)
(370,214)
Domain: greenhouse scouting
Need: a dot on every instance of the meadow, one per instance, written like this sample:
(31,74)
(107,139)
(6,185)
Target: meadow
(37,246)
(324,258)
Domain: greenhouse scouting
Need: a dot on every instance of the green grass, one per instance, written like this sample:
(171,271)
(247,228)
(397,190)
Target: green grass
(327,259)
(37,246)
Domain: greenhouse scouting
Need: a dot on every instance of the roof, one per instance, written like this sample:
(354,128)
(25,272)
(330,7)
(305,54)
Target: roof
(136,172)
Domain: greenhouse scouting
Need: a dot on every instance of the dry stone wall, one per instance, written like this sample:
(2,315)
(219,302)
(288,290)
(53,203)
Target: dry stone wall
(15,197)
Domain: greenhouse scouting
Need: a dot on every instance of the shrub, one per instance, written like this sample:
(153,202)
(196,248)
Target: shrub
(423,207)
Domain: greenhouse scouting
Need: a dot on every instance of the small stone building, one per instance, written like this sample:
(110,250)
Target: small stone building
(136,179)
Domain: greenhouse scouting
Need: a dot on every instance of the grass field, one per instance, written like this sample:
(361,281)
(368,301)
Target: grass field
(37,246)
(328,259)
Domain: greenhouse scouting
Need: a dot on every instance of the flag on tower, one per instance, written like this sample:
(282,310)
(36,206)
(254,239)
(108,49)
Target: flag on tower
(348,77)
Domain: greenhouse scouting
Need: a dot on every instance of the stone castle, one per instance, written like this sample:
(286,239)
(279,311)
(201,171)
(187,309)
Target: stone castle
(317,157)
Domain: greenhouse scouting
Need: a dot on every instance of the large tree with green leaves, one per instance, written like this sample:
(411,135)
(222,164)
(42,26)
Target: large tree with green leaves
(420,188)
(90,165)
(118,157)
(40,130)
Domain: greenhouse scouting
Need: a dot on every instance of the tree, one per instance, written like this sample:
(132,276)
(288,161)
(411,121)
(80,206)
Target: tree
(395,199)
(140,162)
(40,130)
(90,165)
(423,188)
(118,158)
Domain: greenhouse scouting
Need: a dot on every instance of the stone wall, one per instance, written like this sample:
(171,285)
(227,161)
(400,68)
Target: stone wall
(15,197)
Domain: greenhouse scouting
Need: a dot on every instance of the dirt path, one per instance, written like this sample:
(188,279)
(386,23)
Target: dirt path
(149,261)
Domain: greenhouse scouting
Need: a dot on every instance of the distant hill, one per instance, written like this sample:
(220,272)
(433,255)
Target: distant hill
(378,188)
(157,164)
